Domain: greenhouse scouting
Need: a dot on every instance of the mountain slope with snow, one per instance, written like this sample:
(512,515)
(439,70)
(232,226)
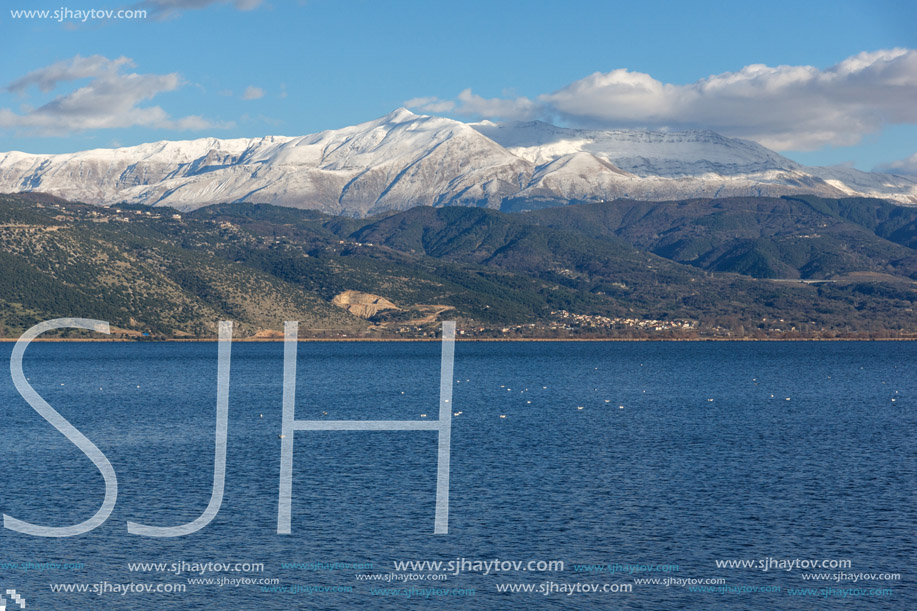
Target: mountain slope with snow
(404,160)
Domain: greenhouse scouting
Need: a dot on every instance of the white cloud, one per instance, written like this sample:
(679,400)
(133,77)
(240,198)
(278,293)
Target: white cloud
(164,9)
(522,108)
(253,93)
(469,103)
(72,69)
(782,107)
(431,104)
(111,99)
(907,166)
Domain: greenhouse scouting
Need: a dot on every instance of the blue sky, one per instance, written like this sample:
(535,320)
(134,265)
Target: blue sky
(236,68)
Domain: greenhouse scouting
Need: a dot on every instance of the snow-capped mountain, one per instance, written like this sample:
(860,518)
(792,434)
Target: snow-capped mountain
(403,160)
(640,152)
(664,165)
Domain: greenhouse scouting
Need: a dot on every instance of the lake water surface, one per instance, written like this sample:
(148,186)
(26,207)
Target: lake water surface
(627,462)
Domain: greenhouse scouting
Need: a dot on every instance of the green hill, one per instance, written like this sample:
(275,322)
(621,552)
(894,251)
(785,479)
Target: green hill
(802,237)
(700,268)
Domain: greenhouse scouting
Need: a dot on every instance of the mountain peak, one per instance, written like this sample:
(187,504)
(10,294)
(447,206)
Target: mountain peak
(400,115)
(404,159)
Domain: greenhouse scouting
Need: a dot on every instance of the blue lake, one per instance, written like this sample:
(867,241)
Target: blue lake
(682,455)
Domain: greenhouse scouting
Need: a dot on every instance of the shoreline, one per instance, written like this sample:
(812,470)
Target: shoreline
(466,339)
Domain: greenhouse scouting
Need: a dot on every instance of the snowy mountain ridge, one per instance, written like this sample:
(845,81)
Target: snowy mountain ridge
(404,160)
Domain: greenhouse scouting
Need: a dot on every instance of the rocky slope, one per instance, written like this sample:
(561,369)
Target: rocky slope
(404,160)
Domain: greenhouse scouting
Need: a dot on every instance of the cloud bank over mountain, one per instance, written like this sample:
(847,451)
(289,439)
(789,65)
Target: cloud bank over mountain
(781,107)
(905,167)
